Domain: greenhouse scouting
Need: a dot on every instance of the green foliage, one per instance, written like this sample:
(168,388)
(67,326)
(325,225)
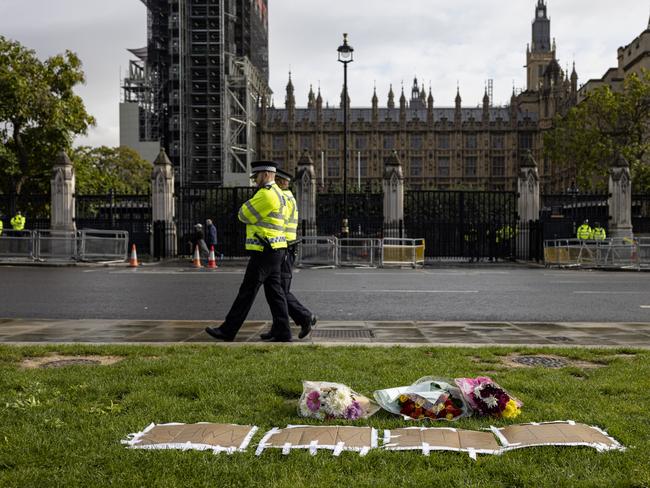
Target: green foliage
(604,124)
(101,169)
(39,115)
(71,435)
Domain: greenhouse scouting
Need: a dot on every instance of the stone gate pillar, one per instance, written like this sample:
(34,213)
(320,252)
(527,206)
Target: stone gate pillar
(528,189)
(305,186)
(162,204)
(393,186)
(63,200)
(620,198)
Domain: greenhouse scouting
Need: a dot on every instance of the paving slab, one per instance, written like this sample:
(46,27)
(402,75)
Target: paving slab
(370,333)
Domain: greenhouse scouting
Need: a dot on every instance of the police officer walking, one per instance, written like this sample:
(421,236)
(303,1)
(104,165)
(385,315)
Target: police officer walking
(598,233)
(264,216)
(18,221)
(297,311)
(584,231)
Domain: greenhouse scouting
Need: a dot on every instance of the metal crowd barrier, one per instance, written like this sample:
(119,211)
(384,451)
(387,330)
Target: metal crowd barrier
(48,245)
(103,245)
(643,251)
(402,252)
(357,251)
(607,253)
(317,251)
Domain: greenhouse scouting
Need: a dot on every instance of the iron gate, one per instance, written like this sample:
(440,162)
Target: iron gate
(463,224)
(365,214)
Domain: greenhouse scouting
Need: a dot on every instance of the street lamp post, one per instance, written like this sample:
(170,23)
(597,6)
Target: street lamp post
(345,56)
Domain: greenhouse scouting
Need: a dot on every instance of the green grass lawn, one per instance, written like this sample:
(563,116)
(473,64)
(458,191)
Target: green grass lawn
(62,427)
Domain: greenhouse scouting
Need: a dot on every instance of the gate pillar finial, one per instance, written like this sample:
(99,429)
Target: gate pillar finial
(162,201)
(393,186)
(528,188)
(62,185)
(620,200)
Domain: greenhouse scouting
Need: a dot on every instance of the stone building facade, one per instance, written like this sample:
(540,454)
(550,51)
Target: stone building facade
(440,147)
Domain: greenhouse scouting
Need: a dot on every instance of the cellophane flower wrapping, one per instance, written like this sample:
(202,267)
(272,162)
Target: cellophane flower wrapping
(427,398)
(487,398)
(324,400)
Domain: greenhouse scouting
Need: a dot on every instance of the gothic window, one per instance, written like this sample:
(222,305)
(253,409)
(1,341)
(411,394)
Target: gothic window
(497,141)
(361,142)
(416,142)
(443,167)
(443,141)
(362,167)
(306,142)
(416,166)
(498,166)
(470,141)
(470,166)
(389,141)
(333,167)
(526,140)
(333,142)
(279,143)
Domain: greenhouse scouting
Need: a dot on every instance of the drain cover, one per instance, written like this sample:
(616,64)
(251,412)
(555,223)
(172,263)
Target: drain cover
(542,361)
(70,362)
(342,333)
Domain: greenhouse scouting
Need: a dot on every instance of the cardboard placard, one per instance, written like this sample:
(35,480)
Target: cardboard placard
(441,439)
(201,436)
(563,433)
(335,438)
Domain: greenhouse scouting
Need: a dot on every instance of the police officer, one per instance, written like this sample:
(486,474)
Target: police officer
(598,233)
(18,221)
(584,231)
(1,224)
(297,311)
(264,216)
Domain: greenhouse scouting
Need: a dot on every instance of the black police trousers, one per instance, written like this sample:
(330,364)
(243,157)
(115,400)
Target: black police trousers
(263,269)
(297,311)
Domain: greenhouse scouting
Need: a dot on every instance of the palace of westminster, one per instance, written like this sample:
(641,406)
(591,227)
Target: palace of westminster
(199,90)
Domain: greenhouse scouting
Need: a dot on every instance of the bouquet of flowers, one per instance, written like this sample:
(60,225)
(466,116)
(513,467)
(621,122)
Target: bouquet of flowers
(427,398)
(324,401)
(485,397)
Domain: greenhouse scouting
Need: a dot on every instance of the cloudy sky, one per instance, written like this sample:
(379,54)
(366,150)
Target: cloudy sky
(442,42)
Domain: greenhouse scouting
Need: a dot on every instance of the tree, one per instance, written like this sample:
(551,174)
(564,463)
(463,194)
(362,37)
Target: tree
(605,123)
(102,169)
(39,114)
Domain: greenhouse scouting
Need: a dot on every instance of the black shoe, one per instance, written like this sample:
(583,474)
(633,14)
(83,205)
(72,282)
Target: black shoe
(306,329)
(265,336)
(218,334)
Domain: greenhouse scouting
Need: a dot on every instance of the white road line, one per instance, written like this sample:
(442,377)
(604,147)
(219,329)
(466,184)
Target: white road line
(203,273)
(611,292)
(386,291)
(645,306)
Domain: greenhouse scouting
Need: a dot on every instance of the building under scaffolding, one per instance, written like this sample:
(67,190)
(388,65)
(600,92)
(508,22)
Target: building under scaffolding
(199,83)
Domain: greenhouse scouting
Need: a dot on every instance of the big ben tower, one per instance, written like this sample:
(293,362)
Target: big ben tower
(541,52)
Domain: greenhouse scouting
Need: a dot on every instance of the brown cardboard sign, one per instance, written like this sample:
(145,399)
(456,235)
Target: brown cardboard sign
(430,439)
(564,433)
(336,438)
(201,436)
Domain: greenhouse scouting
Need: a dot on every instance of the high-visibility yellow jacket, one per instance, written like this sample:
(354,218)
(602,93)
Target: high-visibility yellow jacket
(584,232)
(598,234)
(264,218)
(1,226)
(291,217)
(18,222)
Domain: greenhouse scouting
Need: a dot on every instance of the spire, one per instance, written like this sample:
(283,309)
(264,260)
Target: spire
(415,91)
(430,99)
(541,29)
(375,100)
(574,79)
(311,99)
(458,99)
(423,94)
(290,100)
(319,99)
(391,97)
(343,95)
(402,99)
(486,98)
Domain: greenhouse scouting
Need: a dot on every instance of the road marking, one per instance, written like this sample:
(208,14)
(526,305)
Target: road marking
(204,273)
(610,292)
(386,291)
(645,306)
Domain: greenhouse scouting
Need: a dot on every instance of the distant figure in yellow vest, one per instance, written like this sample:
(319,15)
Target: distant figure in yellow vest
(584,231)
(18,221)
(598,233)
(1,224)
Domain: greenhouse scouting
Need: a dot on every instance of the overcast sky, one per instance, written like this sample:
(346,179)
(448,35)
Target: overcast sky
(442,42)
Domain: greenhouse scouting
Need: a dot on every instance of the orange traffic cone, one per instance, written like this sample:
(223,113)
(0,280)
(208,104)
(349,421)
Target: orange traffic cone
(196,260)
(133,260)
(212,260)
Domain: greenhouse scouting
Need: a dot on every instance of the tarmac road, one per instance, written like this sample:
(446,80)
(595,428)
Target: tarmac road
(498,293)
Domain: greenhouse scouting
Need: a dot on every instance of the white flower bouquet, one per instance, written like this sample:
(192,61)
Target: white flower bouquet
(323,400)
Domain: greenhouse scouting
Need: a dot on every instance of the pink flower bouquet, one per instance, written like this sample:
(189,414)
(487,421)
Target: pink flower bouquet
(324,401)
(487,398)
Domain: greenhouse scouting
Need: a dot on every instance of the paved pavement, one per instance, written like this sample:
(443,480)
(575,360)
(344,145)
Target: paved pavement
(21,331)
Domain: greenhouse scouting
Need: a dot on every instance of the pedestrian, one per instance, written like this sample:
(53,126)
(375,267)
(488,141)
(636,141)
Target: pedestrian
(598,233)
(210,234)
(18,221)
(297,311)
(199,240)
(1,224)
(264,217)
(584,231)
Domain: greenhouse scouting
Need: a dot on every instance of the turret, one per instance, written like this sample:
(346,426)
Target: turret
(391,97)
(311,99)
